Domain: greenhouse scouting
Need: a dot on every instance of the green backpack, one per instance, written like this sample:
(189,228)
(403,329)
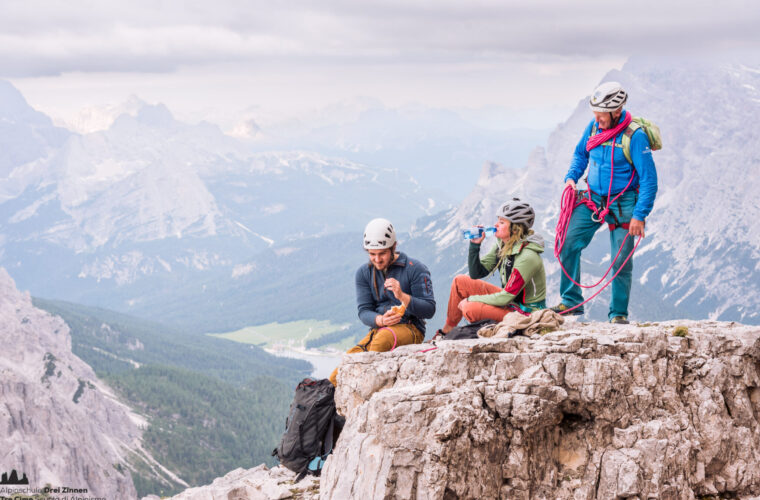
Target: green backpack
(652,131)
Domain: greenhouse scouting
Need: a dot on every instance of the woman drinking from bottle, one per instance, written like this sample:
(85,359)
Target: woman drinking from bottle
(517,256)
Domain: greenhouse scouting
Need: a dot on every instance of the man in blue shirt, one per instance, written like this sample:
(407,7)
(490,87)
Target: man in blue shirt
(622,191)
(394,294)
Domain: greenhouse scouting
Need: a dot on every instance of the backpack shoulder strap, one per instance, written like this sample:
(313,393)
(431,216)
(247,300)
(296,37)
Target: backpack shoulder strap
(625,141)
(327,447)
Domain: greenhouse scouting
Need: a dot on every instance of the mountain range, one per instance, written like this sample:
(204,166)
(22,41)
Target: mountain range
(185,224)
(149,206)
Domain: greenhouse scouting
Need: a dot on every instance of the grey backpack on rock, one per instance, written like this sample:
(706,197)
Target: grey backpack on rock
(311,428)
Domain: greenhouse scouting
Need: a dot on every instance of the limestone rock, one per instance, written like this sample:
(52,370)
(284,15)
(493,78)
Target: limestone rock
(259,483)
(59,425)
(592,411)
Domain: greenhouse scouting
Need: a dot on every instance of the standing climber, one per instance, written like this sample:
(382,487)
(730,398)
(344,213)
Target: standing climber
(622,184)
(394,293)
(517,257)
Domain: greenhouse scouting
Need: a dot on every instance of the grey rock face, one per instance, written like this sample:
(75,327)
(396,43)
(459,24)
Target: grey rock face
(58,424)
(589,412)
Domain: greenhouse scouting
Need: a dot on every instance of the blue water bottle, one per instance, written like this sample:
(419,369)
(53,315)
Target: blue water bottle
(472,233)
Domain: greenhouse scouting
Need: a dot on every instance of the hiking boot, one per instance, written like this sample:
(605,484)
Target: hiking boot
(620,320)
(438,335)
(562,307)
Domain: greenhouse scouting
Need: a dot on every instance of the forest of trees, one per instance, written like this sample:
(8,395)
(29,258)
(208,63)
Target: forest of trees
(212,405)
(202,427)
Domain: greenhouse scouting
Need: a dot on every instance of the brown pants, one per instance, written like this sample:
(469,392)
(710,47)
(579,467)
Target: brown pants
(382,340)
(462,287)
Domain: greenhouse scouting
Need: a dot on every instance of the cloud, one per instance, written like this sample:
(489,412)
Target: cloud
(49,38)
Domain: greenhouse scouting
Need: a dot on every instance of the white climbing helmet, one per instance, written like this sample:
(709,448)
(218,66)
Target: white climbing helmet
(517,212)
(379,234)
(608,97)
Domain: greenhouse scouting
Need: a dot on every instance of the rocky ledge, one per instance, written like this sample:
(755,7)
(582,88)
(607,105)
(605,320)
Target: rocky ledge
(591,411)
(259,483)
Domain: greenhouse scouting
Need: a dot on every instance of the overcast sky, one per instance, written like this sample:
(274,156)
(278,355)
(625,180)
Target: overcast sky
(215,60)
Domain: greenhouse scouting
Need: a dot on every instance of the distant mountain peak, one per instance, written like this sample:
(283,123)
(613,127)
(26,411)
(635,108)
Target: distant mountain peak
(15,109)
(490,171)
(11,100)
(157,115)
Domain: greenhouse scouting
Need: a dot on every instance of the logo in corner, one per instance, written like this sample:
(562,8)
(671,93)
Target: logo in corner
(13,478)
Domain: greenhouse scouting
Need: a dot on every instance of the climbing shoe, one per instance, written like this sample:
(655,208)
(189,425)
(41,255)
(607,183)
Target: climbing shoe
(438,335)
(562,307)
(620,320)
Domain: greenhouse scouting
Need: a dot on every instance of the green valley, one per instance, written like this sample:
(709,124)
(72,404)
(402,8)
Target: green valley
(211,406)
(294,335)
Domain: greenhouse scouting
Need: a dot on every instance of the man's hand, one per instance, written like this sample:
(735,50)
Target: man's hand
(636,227)
(570,183)
(394,286)
(388,319)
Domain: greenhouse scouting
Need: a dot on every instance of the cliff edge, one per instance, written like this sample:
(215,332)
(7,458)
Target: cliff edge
(60,426)
(593,411)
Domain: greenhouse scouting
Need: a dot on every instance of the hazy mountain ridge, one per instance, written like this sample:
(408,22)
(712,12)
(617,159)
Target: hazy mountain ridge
(696,261)
(149,203)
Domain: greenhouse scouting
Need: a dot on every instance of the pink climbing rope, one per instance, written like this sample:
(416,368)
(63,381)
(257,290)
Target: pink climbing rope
(395,339)
(566,210)
(611,279)
(612,133)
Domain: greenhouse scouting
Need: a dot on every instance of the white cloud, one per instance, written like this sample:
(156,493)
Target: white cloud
(212,59)
(43,38)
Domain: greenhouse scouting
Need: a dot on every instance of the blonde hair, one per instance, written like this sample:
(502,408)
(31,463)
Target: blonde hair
(517,234)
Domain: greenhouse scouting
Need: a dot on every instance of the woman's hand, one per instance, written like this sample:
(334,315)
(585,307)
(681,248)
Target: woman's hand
(480,239)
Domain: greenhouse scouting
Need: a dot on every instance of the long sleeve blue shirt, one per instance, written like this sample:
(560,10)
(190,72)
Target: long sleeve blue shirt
(413,276)
(598,161)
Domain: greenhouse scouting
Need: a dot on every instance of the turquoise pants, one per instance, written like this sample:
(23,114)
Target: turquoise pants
(580,231)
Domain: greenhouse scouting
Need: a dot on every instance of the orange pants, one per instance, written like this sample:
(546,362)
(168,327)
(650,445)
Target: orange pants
(382,340)
(462,287)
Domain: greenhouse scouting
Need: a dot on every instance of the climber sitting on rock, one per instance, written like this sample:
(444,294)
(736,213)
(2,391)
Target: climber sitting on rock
(517,256)
(394,293)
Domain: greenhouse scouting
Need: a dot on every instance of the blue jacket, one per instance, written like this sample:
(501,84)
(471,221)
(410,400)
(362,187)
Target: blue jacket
(373,299)
(645,176)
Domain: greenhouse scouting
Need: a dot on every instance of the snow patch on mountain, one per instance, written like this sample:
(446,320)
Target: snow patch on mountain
(98,118)
(242,270)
